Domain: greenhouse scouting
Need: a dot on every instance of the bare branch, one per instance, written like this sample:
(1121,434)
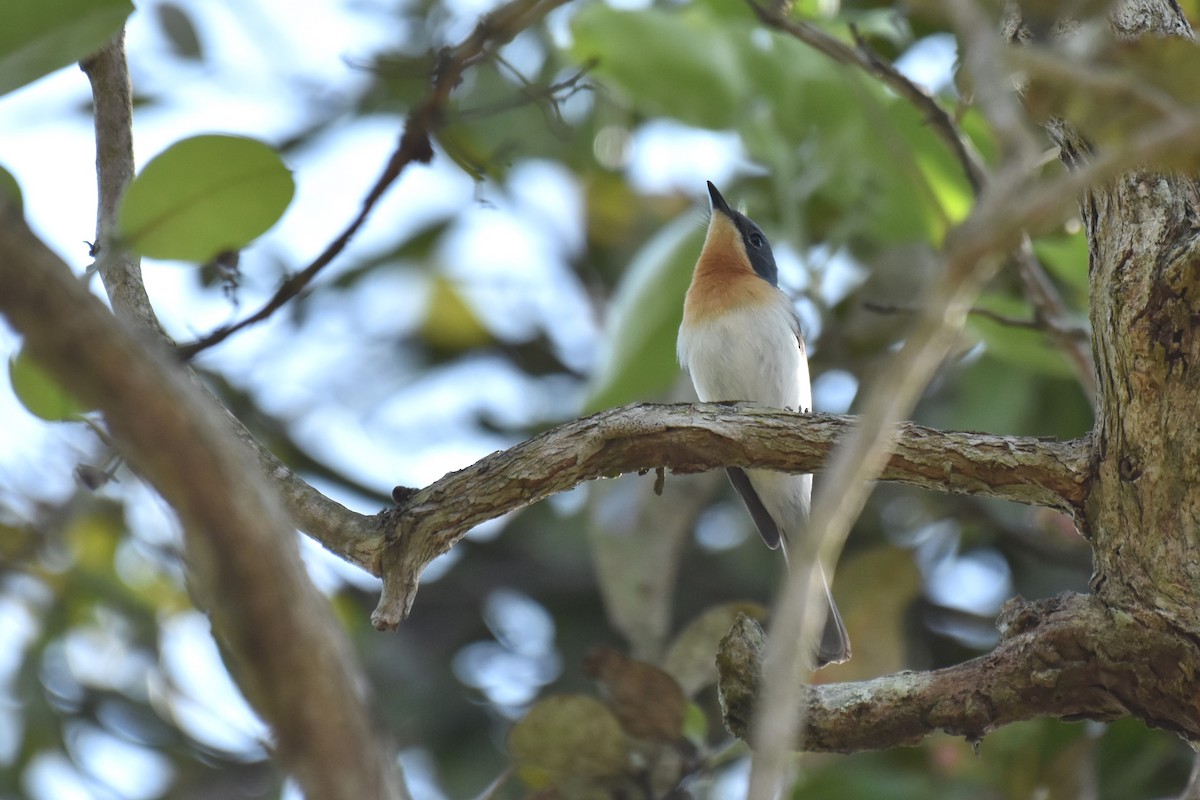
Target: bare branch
(695,438)
(1052,316)
(1069,656)
(494,29)
(1042,326)
(867,60)
(112,110)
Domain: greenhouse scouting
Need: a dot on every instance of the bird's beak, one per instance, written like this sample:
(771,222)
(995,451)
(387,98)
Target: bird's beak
(718,202)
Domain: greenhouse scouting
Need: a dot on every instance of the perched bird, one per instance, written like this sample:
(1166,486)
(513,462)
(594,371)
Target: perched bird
(741,340)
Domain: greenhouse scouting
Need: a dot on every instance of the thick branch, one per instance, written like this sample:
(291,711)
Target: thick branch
(289,654)
(687,439)
(1069,656)
(343,531)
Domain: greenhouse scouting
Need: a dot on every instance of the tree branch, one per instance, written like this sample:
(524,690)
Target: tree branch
(112,112)
(1043,295)
(1069,656)
(687,438)
(495,29)
(288,653)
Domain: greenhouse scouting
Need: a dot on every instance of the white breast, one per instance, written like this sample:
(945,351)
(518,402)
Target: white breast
(750,354)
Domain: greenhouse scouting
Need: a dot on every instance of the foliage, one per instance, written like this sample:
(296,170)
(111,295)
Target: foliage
(445,362)
(204,196)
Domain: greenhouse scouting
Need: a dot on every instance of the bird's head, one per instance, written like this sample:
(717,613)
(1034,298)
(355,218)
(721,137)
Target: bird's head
(734,239)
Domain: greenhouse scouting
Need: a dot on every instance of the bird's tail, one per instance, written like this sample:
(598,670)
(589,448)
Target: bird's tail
(834,646)
(835,641)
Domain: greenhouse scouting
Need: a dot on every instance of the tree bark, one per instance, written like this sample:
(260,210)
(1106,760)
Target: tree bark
(685,439)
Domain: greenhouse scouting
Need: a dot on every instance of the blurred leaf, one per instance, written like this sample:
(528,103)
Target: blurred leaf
(568,742)
(176,24)
(93,536)
(680,63)
(39,393)
(1134,761)
(900,774)
(450,325)
(1066,257)
(472,155)
(888,24)
(11,189)
(17,542)
(874,611)
(646,701)
(1134,82)
(695,725)
(204,196)
(1023,347)
(39,37)
(638,358)
(865,161)
(691,658)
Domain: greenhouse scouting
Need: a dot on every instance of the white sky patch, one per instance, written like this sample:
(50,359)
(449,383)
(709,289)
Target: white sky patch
(52,776)
(667,156)
(929,62)
(834,391)
(977,582)
(132,771)
(207,704)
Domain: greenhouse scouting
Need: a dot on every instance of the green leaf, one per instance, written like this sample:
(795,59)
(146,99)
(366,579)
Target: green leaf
(638,359)
(11,189)
(450,324)
(1025,348)
(176,25)
(38,392)
(1066,257)
(833,141)
(204,196)
(39,37)
(681,63)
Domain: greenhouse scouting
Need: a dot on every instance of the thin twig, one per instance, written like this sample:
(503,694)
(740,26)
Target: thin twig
(415,145)
(1039,325)
(1050,311)
(1047,302)
(867,60)
(112,113)
(530,94)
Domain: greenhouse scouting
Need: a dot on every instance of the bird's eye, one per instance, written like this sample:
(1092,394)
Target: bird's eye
(756,240)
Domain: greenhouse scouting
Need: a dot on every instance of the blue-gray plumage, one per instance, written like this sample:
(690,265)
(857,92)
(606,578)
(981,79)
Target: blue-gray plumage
(741,340)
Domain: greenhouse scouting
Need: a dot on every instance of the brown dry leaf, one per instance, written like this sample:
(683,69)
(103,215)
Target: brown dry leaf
(646,701)
(874,589)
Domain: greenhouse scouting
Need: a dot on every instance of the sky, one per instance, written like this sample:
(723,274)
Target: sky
(46,141)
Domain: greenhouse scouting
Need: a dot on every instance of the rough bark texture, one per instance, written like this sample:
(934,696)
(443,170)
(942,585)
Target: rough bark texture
(1143,510)
(1070,656)
(687,439)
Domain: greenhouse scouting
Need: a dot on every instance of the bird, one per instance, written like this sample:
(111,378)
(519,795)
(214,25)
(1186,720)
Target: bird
(740,340)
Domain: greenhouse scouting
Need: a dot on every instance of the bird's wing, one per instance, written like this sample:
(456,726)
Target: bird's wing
(758,512)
